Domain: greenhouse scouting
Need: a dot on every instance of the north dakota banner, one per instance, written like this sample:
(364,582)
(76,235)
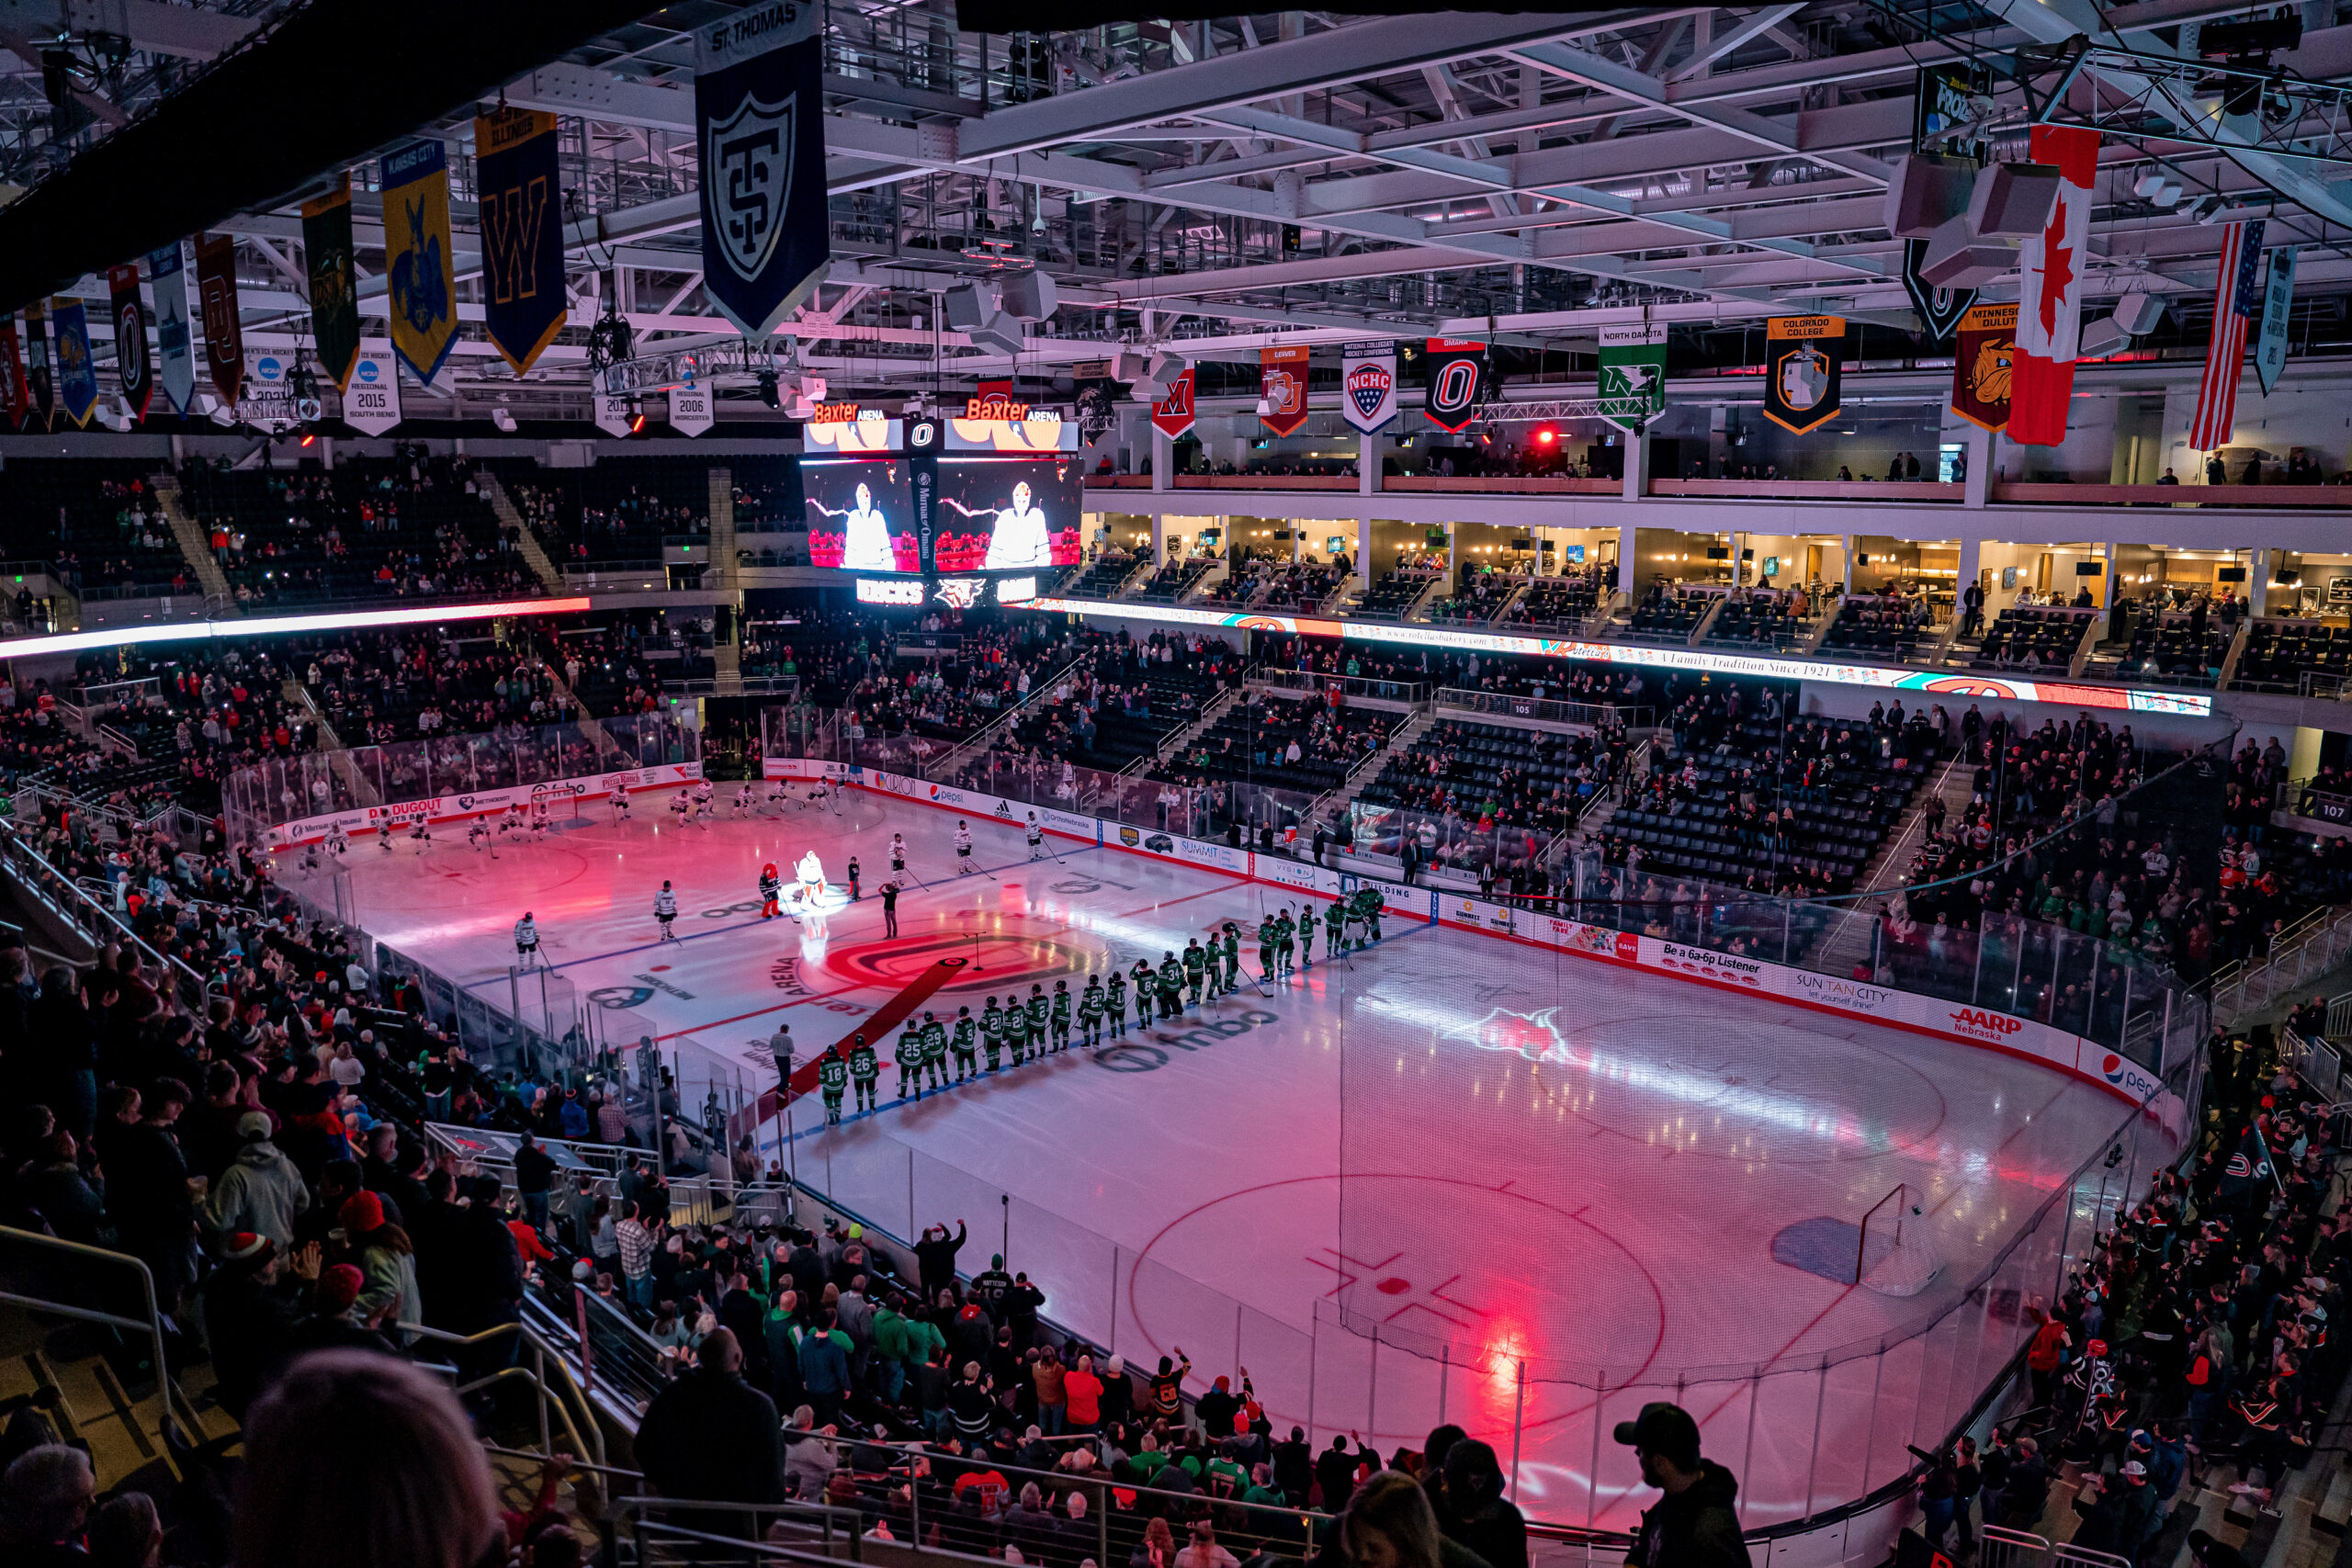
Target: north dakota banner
(522,232)
(42,390)
(1803,366)
(418,257)
(1457,384)
(1282,388)
(77,372)
(1368,385)
(335,282)
(1633,373)
(175,343)
(134,367)
(759,104)
(1981,370)
(216,306)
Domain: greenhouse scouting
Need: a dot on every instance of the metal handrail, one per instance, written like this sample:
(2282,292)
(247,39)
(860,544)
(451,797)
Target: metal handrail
(12,836)
(984,737)
(540,1351)
(166,1388)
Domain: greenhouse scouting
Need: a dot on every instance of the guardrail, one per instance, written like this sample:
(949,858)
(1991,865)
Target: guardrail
(1411,692)
(151,1325)
(1504,705)
(2299,955)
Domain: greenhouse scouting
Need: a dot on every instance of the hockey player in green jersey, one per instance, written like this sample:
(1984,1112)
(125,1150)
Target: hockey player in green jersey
(909,1055)
(993,1028)
(1060,1017)
(832,1077)
(1172,985)
(1090,1013)
(1115,1003)
(961,1043)
(1368,903)
(1266,931)
(865,1069)
(1335,930)
(1232,955)
(1307,935)
(1285,940)
(935,1051)
(1146,987)
(1197,964)
(1034,1013)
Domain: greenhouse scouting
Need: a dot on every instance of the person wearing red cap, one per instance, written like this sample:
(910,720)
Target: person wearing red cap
(250,1312)
(388,1260)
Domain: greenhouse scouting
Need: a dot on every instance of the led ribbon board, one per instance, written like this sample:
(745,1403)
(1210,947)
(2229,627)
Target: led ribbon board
(271,626)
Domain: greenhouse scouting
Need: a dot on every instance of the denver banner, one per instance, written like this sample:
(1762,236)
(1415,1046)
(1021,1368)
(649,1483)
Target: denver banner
(77,373)
(1173,413)
(522,232)
(216,302)
(1457,386)
(1987,359)
(44,393)
(418,257)
(1804,371)
(132,365)
(175,347)
(1368,385)
(759,104)
(1282,388)
(335,282)
(13,402)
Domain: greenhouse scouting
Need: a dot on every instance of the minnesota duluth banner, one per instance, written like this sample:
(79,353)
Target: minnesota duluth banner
(216,305)
(1804,371)
(334,283)
(760,104)
(134,368)
(522,232)
(43,392)
(418,257)
(174,345)
(1981,370)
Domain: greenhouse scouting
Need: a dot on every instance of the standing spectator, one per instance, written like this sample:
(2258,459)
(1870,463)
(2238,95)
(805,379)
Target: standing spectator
(1694,1524)
(261,1192)
(936,1258)
(1389,1524)
(1478,1514)
(387,1261)
(1082,1398)
(636,1244)
(534,1173)
(711,1435)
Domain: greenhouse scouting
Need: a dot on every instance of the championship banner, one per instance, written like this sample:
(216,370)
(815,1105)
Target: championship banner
(1368,385)
(1941,109)
(1632,374)
(2235,294)
(612,415)
(2050,269)
(1804,371)
(1173,413)
(1457,384)
(12,402)
(372,404)
(759,104)
(37,381)
(133,368)
(1282,388)
(335,282)
(690,408)
(419,258)
(77,373)
(174,345)
(216,304)
(2278,305)
(522,233)
(1982,369)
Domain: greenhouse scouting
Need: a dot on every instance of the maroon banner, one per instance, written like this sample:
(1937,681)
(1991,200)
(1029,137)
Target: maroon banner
(216,293)
(13,399)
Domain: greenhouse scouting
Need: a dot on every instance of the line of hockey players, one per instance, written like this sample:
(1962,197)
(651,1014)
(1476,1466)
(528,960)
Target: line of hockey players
(693,806)
(1031,1029)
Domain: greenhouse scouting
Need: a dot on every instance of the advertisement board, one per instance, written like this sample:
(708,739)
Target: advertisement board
(457,806)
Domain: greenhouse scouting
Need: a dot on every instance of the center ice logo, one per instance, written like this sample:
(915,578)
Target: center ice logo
(1532,1035)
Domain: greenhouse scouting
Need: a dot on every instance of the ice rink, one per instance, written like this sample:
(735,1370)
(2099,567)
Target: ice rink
(1556,1185)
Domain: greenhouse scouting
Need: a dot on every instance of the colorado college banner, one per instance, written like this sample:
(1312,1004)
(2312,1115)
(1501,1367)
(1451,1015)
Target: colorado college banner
(1986,358)
(759,102)
(174,345)
(1457,385)
(1368,386)
(334,283)
(1282,388)
(418,259)
(1804,371)
(134,368)
(77,373)
(216,303)
(522,232)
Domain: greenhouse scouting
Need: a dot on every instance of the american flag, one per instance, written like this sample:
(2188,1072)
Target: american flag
(2235,302)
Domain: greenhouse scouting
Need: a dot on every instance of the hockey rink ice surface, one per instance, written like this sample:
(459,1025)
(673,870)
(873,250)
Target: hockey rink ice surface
(1547,1159)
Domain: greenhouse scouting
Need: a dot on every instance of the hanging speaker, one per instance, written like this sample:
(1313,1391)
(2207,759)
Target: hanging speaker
(2011,201)
(2139,314)
(1957,259)
(1127,365)
(1029,296)
(964,307)
(1926,191)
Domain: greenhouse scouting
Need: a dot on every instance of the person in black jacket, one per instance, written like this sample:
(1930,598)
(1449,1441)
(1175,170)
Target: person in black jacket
(1477,1514)
(2027,1491)
(712,1436)
(1695,1525)
(935,1258)
(534,1174)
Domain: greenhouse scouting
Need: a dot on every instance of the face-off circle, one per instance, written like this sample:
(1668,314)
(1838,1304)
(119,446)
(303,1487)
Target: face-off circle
(998,961)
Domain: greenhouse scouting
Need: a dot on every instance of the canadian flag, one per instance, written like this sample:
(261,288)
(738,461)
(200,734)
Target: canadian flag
(2051,266)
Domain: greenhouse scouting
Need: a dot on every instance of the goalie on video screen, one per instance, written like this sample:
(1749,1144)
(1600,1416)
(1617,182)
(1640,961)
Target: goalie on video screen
(864,540)
(1015,521)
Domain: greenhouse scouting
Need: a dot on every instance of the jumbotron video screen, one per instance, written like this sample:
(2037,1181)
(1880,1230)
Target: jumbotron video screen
(861,514)
(1008,513)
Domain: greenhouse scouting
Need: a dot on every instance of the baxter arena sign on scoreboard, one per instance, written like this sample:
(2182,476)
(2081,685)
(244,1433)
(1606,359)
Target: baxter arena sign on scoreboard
(1944,1020)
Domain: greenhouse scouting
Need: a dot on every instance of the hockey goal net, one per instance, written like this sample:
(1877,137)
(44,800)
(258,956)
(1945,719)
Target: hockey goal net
(1896,1256)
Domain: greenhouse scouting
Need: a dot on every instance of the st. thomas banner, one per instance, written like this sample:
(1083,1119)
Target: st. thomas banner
(334,283)
(522,232)
(759,102)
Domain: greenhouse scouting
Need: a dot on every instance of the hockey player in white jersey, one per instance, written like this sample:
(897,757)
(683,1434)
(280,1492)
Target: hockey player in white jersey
(621,801)
(963,850)
(480,837)
(526,941)
(337,839)
(665,909)
(1036,838)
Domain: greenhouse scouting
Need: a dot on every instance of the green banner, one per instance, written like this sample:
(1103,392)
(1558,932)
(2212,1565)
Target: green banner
(1633,373)
(334,283)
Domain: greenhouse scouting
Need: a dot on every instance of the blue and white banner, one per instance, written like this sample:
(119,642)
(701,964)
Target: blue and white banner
(175,349)
(2277,307)
(759,103)
(372,404)
(77,373)
(1368,386)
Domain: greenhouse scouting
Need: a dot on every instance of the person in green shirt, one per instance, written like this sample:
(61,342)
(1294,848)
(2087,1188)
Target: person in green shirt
(934,1050)
(1090,1013)
(1232,955)
(992,1027)
(864,1068)
(891,1342)
(1140,977)
(1197,964)
(1307,935)
(909,1055)
(1172,984)
(1261,1492)
(1035,1014)
(1285,940)
(1061,1015)
(832,1077)
(962,1043)
(1115,1003)
(1266,946)
(1335,930)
